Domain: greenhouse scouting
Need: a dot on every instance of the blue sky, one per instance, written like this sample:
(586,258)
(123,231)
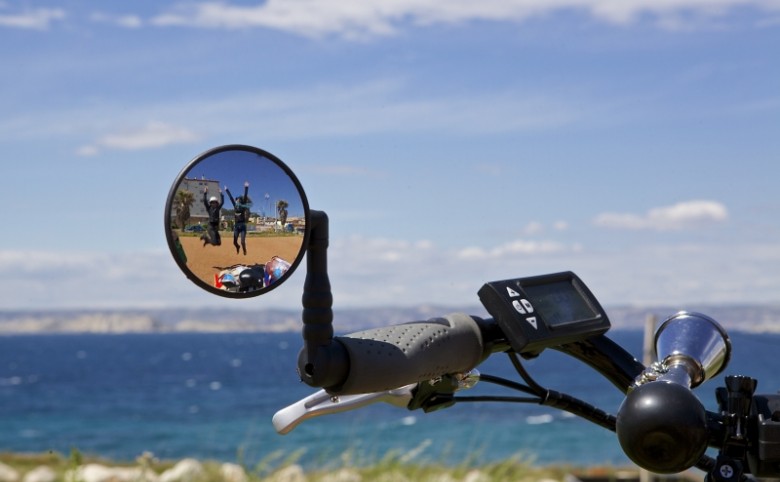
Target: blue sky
(235,166)
(451,143)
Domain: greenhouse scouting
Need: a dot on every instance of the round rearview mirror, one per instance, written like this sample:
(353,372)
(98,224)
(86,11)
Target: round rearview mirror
(237,221)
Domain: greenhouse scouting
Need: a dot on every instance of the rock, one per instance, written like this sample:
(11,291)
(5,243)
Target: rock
(8,474)
(291,473)
(186,470)
(41,473)
(343,475)
(101,473)
(233,473)
(444,477)
(476,476)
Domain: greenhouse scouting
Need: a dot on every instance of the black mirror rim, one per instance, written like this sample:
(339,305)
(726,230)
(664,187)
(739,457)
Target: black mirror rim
(169,231)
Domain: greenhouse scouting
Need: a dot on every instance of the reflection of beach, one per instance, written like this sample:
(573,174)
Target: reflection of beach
(260,249)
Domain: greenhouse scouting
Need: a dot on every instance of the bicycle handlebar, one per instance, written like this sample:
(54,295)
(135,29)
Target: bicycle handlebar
(386,358)
(661,425)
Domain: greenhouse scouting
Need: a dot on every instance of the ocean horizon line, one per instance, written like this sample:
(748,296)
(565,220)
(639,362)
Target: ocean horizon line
(753,318)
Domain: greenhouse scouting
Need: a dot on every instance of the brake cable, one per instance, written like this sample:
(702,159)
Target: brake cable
(543,396)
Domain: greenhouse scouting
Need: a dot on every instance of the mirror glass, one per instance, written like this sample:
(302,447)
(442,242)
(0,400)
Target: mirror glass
(237,221)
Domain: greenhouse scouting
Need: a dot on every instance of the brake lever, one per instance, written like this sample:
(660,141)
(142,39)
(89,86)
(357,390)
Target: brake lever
(323,403)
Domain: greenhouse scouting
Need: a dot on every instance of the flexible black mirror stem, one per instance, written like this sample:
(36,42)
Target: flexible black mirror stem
(317,298)
(322,362)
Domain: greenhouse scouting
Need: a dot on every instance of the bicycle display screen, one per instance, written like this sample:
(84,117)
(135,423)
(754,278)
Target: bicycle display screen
(544,311)
(559,303)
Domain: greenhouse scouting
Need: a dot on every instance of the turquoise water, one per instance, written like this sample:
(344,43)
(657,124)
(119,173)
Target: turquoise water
(213,395)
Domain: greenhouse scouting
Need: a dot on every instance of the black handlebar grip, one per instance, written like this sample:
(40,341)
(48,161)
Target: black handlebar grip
(390,357)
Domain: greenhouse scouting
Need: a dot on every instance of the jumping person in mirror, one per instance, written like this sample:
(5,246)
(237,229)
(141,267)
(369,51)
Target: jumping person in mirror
(214,208)
(241,207)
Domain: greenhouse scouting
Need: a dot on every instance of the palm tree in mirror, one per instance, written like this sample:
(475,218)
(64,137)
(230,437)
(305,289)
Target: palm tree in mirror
(183,202)
(281,209)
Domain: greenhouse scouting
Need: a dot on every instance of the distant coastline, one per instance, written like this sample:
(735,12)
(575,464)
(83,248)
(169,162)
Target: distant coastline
(748,318)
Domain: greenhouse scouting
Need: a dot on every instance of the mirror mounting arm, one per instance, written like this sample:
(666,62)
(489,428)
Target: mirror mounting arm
(322,362)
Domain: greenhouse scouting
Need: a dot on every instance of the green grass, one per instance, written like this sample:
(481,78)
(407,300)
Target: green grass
(393,467)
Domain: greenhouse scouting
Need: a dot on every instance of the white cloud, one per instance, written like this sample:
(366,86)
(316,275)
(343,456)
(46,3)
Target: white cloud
(678,216)
(385,106)
(519,247)
(313,112)
(393,272)
(361,253)
(536,228)
(360,19)
(152,135)
(126,21)
(387,272)
(560,225)
(323,111)
(30,262)
(769,22)
(40,280)
(52,279)
(34,19)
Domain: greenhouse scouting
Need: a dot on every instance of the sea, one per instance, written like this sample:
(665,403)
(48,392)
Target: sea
(212,397)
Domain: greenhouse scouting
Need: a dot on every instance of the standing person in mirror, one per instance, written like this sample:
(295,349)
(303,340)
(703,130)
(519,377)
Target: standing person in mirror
(214,208)
(241,207)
